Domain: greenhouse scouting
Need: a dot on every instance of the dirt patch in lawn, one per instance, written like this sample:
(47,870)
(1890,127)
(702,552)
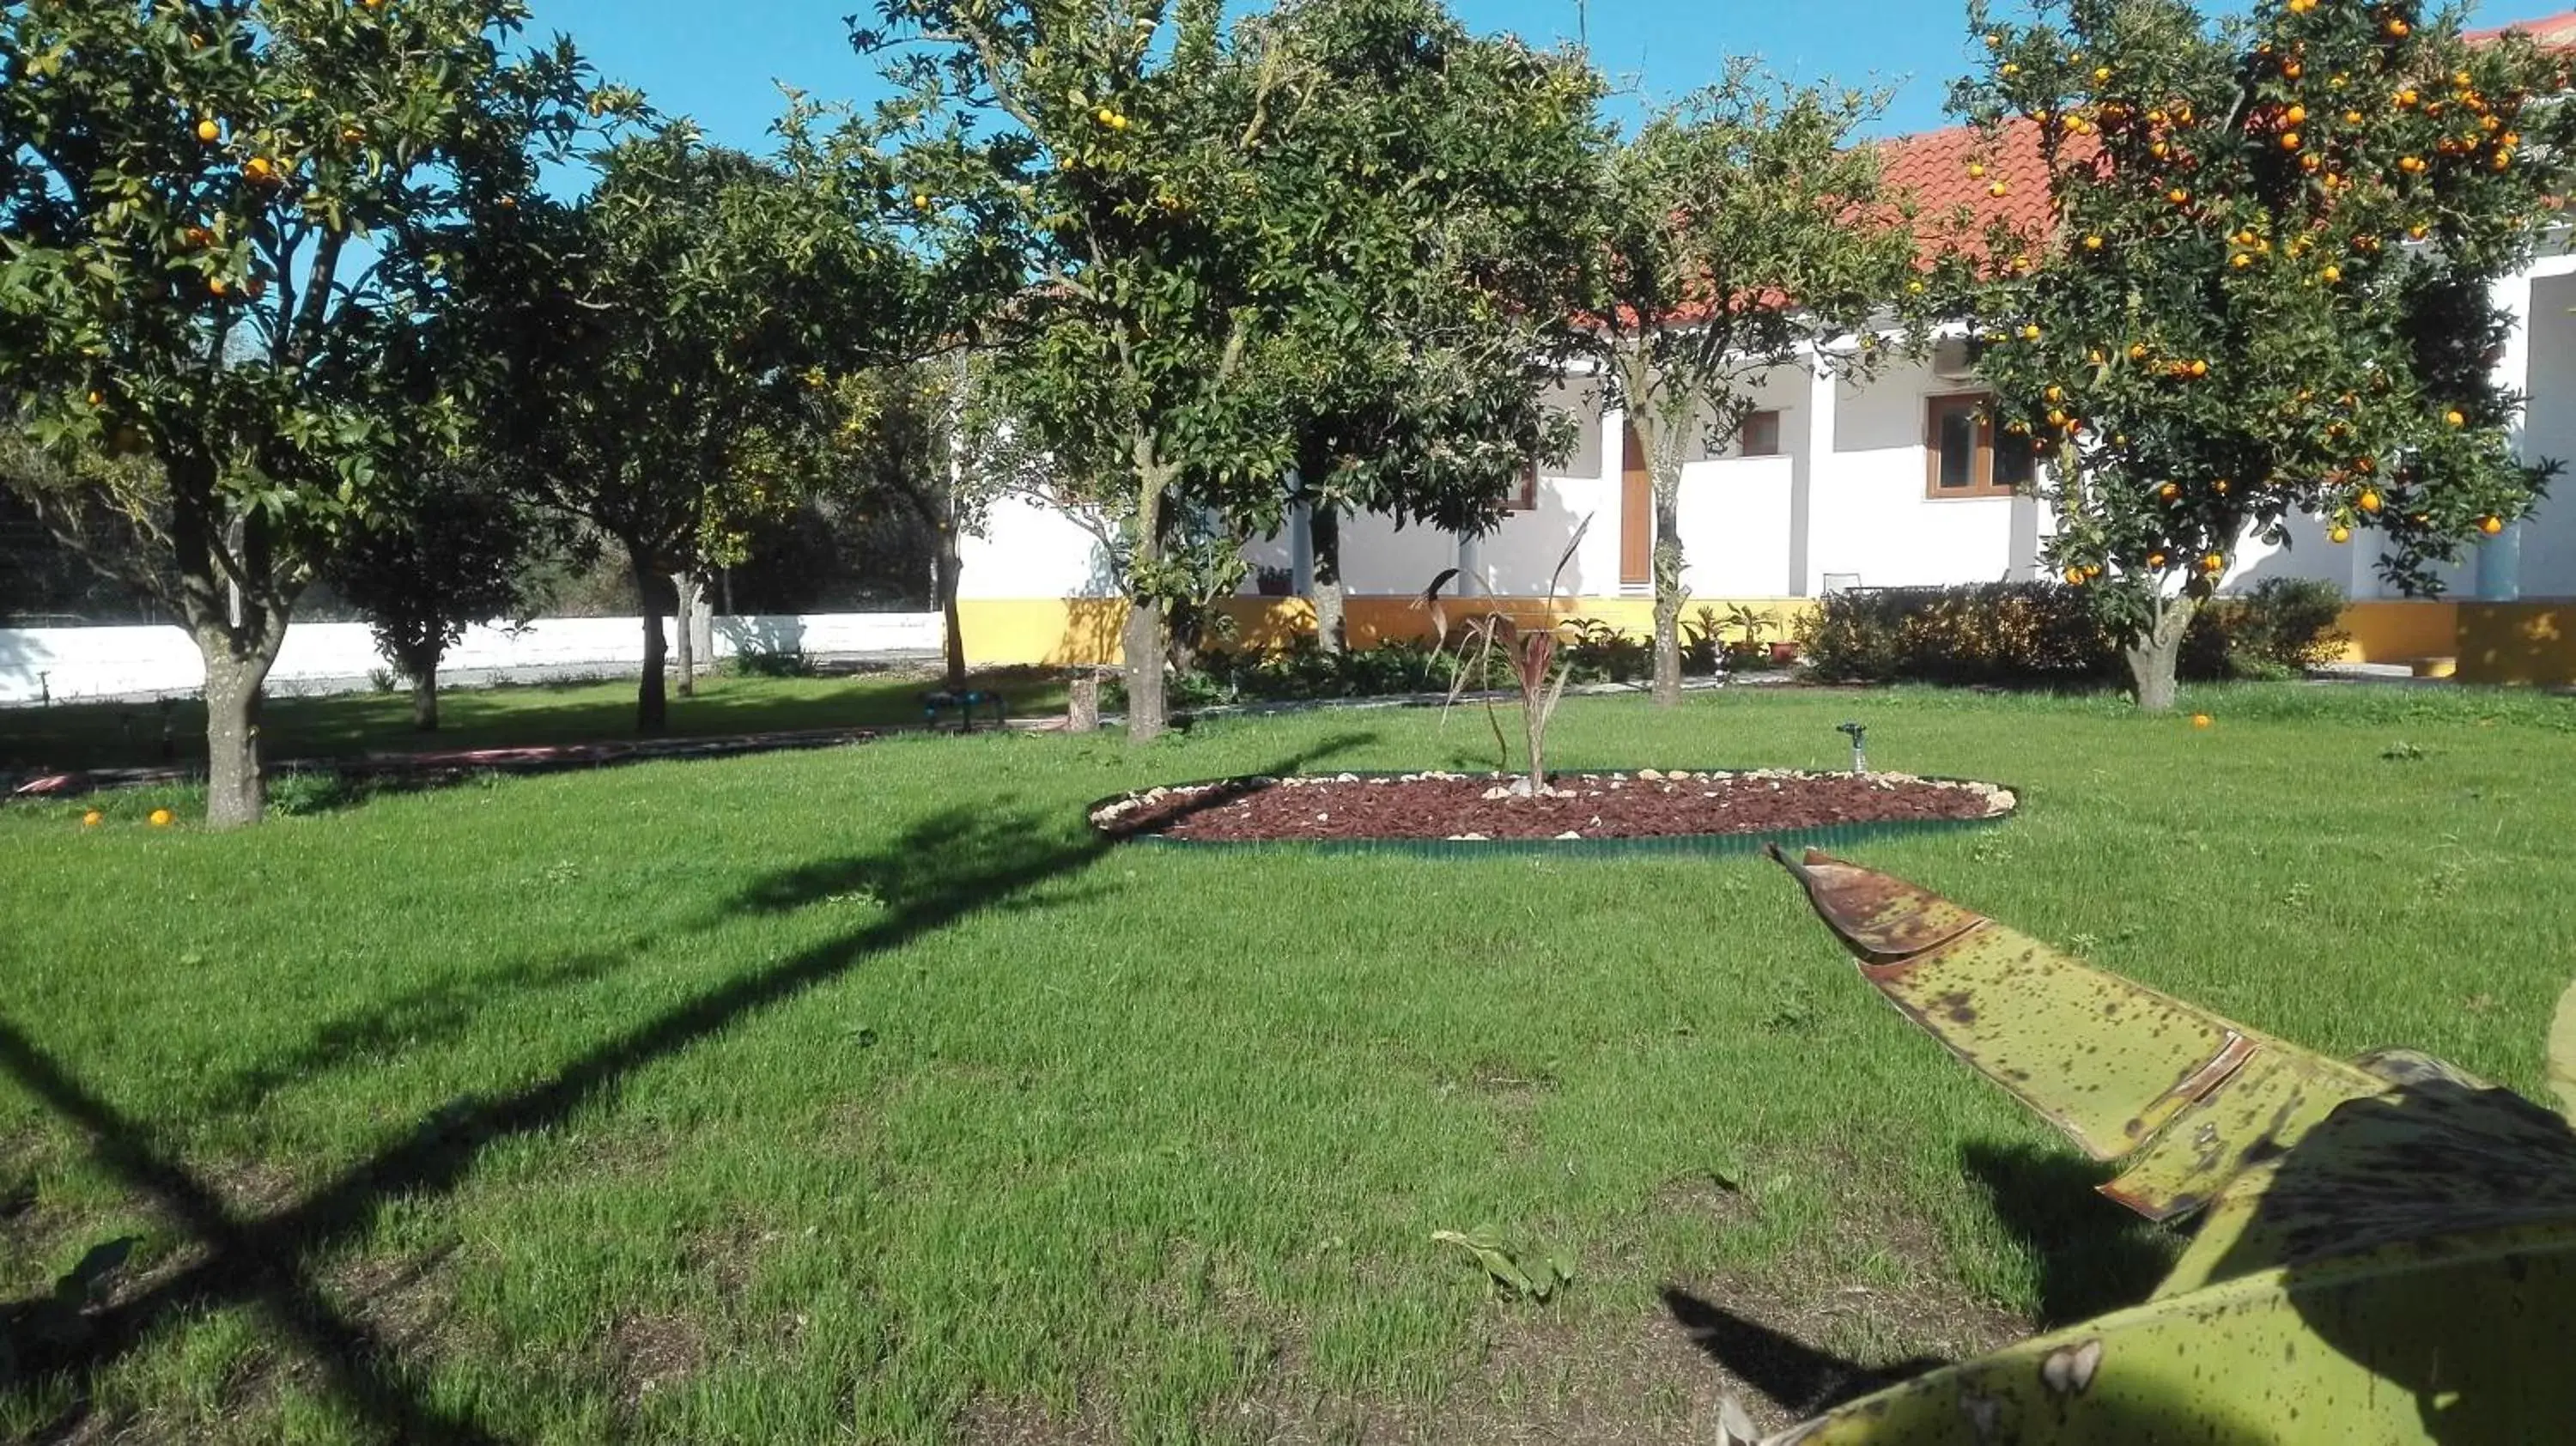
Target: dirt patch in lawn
(1785,1340)
(652,1350)
(1476,807)
(1782,1348)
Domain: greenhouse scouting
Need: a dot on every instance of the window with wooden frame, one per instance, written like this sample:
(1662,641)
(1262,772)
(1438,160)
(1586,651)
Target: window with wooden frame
(1759,436)
(1525,500)
(1961,458)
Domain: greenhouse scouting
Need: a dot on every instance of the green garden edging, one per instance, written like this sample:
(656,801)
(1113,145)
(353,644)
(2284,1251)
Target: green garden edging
(1701,845)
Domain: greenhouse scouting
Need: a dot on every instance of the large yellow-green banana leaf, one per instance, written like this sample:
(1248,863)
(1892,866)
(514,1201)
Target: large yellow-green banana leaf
(2389,1247)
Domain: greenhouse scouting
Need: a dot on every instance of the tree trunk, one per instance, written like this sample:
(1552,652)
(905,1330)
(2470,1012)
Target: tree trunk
(951,562)
(1145,641)
(2155,654)
(1661,429)
(684,590)
(236,788)
(237,636)
(652,704)
(1143,646)
(1324,528)
(424,696)
(1668,596)
(1668,585)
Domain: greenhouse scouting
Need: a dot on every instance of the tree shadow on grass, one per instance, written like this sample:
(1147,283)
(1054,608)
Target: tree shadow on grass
(1801,1379)
(945,868)
(410,1020)
(2092,1255)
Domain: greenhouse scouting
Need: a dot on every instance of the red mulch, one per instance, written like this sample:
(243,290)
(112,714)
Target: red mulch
(1646,804)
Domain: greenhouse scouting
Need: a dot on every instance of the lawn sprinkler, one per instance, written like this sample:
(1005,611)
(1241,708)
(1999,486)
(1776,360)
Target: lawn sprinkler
(1860,750)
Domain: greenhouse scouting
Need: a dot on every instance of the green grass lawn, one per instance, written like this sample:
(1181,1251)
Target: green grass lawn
(104,735)
(857,1095)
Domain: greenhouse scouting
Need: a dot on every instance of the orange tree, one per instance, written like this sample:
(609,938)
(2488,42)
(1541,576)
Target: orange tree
(1742,232)
(2265,290)
(1450,172)
(1102,144)
(664,347)
(1235,242)
(217,221)
(443,546)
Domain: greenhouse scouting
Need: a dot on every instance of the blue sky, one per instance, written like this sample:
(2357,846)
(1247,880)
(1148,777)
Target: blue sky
(717,60)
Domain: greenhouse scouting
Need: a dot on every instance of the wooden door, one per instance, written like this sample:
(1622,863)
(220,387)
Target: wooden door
(1636,515)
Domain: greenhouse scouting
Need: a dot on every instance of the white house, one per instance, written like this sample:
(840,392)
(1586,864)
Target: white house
(1832,484)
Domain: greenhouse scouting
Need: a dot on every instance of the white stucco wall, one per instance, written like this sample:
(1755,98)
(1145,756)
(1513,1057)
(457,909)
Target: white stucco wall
(1518,558)
(73,663)
(1029,550)
(1736,512)
(1735,528)
(1378,557)
(1871,517)
(2549,431)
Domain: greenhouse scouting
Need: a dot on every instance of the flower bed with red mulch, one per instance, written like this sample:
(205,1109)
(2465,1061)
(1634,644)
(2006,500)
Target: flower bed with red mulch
(1471,808)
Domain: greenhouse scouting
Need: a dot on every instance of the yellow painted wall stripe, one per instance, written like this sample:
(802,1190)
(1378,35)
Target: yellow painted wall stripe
(2525,643)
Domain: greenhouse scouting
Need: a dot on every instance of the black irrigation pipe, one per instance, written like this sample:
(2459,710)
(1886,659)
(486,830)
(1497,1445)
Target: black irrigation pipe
(1696,845)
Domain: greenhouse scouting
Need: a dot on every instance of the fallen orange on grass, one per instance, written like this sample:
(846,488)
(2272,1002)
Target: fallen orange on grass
(2199,720)
(93,819)
(163,818)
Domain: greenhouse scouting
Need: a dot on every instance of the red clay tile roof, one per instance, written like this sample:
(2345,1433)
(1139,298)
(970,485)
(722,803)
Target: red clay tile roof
(2555,31)
(1933,165)
(1957,206)
(1954,202)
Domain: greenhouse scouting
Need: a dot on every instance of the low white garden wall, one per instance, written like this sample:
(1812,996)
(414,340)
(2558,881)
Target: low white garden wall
(73,663)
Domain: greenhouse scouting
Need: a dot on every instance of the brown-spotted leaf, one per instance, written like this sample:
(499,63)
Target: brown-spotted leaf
(2108,1060)
(2407,1167)
(2461,1346)
(2272,1098)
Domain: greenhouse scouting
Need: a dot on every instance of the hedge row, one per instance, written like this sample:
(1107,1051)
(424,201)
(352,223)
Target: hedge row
(2044,634)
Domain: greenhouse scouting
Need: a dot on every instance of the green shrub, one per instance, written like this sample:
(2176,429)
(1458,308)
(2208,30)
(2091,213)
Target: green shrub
(1707,649)
(1599,652)
(2007,634)
(2043,634)
(2284,625)
(766,663)
(1302,671)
